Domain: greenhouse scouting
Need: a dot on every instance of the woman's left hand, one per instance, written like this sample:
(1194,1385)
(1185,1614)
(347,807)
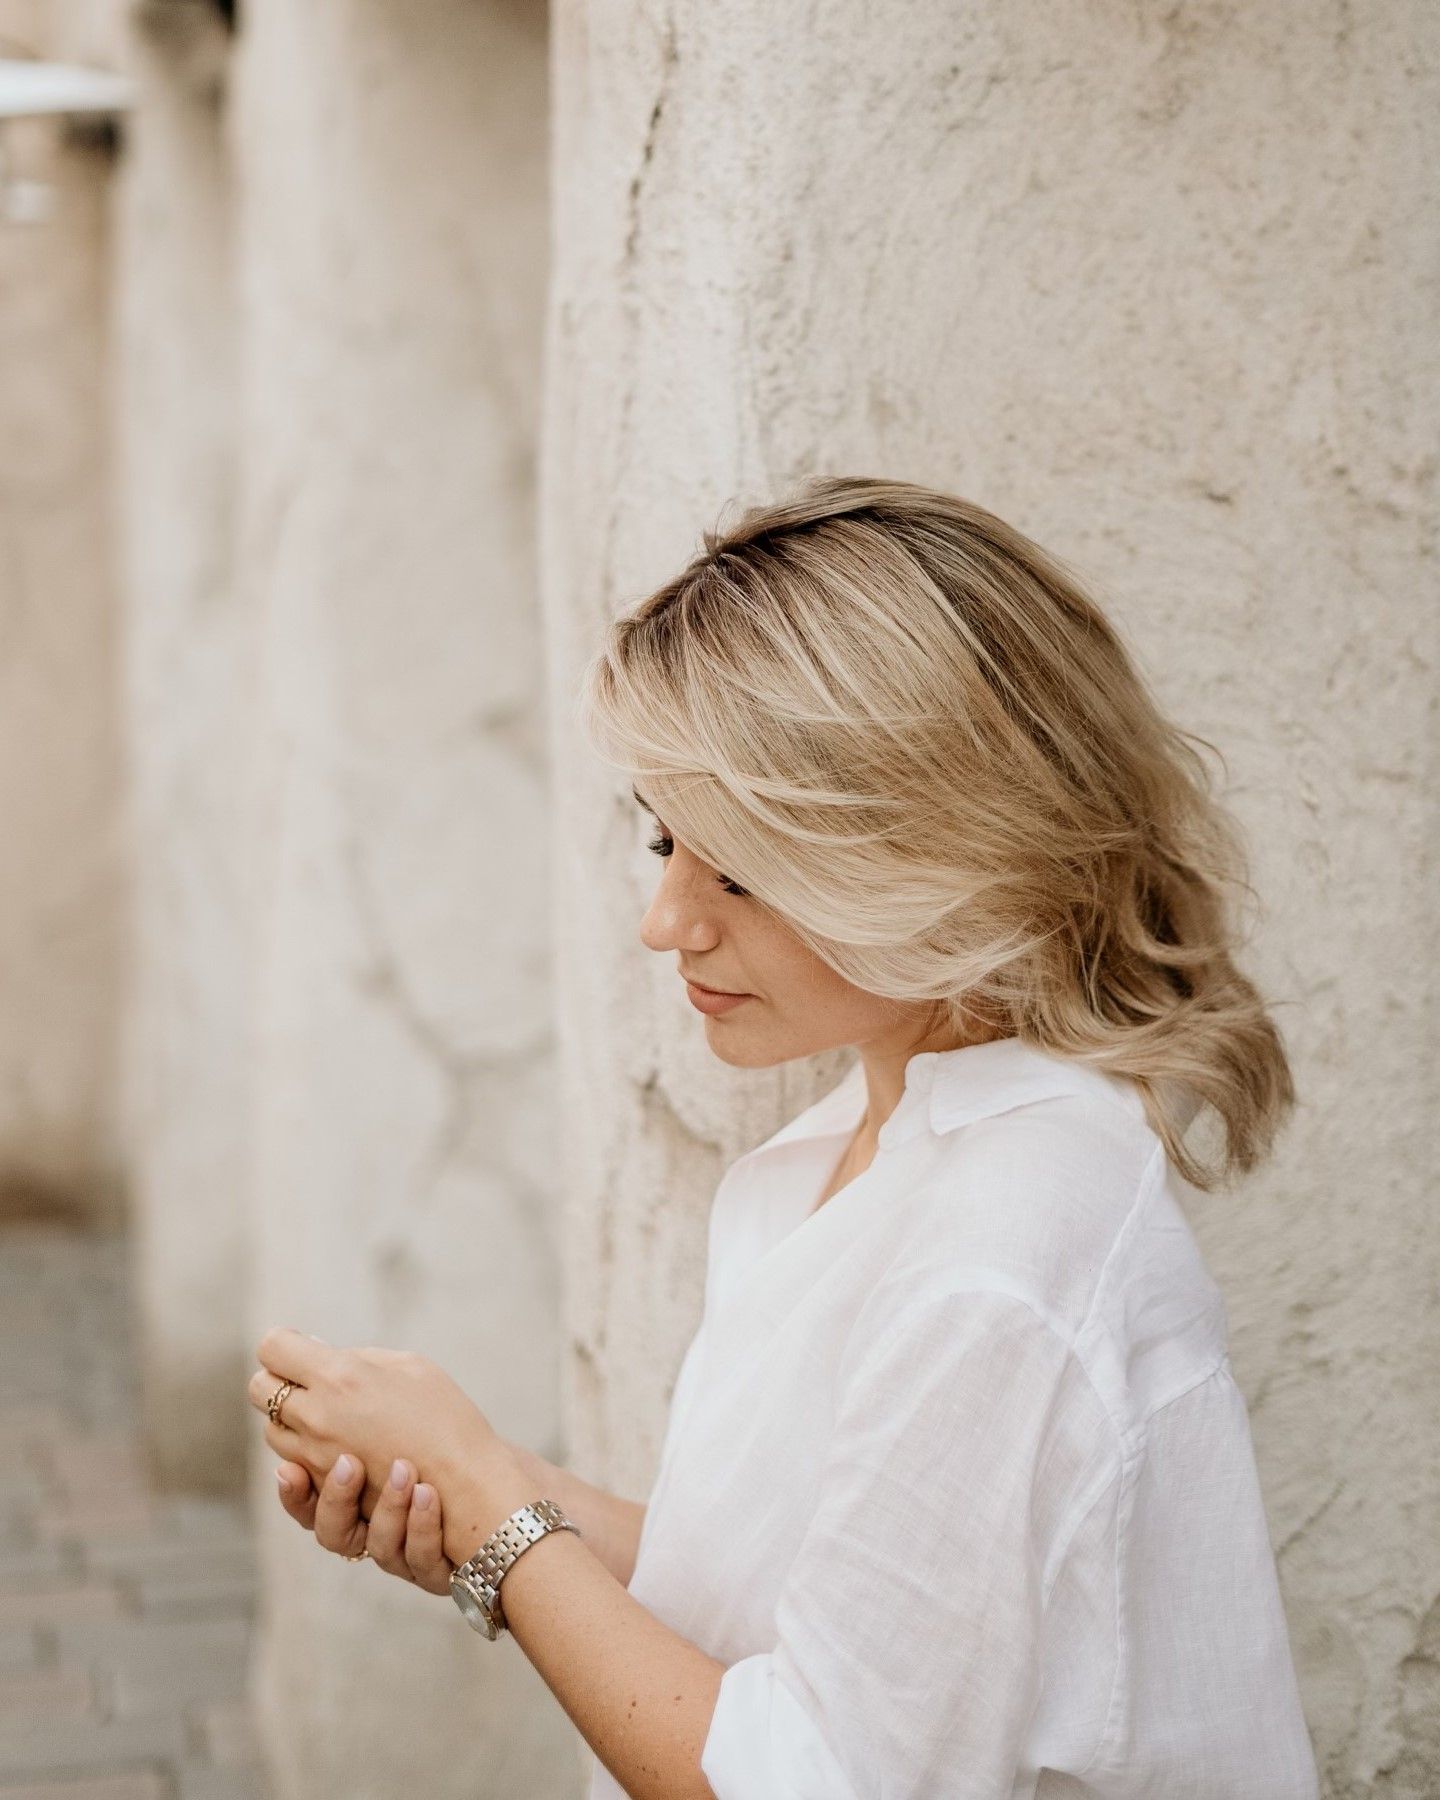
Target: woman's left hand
(404,1535)
(382,1405)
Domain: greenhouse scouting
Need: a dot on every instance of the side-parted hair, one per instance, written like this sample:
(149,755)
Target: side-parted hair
(902,726)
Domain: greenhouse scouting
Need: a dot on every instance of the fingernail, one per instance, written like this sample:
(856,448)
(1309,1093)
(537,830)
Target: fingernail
(398,1473)
(345,1468)
(284,1481)
(424,1497)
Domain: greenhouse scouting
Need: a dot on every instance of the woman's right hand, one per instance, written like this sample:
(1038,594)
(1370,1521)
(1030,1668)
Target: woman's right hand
(403,1533)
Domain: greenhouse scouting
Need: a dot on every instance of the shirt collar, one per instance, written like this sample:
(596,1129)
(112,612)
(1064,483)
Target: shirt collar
(945,1089)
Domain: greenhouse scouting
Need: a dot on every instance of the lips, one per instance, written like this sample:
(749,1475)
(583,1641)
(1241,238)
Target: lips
(706,1000)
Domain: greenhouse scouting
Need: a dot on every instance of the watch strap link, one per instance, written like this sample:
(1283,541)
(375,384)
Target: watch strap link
(507,1543)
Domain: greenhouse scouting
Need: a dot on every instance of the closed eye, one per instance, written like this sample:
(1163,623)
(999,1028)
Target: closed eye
(663,846)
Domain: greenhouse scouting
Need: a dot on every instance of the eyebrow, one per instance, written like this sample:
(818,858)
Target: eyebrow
(643,802)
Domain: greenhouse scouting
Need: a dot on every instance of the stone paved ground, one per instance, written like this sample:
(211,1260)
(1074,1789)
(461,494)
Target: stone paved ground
(124,1618)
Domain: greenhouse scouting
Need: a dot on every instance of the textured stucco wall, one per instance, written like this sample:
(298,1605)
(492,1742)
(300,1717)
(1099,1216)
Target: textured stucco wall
(61,872)
(1153,286)
(391,242)
(188,706)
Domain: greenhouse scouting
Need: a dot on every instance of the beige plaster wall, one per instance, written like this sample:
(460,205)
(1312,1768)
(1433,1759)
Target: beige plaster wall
(390,169)
(188,688)
(61,874)
(1158,287)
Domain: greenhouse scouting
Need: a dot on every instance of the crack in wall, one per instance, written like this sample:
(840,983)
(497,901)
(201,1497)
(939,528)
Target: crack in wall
(461,1074)
(629,304)
(1315,1514)
(669,60)
(384,982)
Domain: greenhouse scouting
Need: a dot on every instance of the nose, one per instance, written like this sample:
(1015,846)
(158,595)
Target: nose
(682,914)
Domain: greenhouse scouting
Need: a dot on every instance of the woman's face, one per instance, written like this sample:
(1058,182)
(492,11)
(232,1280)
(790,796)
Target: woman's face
(795,1005)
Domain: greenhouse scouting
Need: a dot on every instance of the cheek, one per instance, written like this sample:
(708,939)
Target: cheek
(795,983)
(821,1001)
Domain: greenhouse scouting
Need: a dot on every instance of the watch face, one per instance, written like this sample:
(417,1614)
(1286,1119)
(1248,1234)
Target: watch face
(466,1598)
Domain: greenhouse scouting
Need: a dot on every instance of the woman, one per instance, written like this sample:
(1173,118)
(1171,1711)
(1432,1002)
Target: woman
(957,1496)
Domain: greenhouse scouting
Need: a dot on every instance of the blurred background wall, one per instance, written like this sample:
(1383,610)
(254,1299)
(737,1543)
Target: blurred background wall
(390,169)
(62,872)
(319,931)
(189,690)
(294,290)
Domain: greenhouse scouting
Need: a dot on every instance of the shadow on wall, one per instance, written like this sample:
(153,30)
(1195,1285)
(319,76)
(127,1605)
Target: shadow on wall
(27,1198)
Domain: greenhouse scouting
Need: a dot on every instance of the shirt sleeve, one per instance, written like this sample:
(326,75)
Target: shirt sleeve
(908,1627)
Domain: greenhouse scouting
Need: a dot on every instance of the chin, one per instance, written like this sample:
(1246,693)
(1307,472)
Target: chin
(736,1055)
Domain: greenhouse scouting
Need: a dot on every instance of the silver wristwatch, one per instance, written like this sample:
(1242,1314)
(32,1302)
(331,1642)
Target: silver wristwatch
(475,1585)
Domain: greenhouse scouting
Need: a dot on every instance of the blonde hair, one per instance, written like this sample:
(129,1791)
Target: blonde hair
(901,725)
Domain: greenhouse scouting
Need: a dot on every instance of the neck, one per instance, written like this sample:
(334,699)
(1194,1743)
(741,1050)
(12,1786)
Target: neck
(885,1074)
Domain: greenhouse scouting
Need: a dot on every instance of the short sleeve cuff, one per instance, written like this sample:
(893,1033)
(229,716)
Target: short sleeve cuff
(763,1744)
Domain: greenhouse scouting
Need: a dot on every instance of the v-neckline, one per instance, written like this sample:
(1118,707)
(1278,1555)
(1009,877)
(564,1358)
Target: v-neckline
(791,1222)
(792,1169)
(835,1193)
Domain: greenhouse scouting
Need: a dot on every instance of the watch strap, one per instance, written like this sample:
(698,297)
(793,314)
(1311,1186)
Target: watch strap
(509,1541)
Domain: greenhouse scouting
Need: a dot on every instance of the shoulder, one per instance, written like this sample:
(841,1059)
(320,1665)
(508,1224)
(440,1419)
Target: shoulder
(1059,1197)
(1035,1187)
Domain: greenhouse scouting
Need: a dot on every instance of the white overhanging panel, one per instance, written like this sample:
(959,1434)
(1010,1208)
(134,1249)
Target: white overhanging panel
(29,89)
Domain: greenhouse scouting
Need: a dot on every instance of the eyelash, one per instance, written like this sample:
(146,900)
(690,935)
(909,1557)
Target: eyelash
(662,846)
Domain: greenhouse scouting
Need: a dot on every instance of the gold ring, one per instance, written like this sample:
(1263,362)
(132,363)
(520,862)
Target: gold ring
(360,1558)
(277,1400)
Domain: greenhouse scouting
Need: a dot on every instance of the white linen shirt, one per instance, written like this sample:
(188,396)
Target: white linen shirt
(956,1480)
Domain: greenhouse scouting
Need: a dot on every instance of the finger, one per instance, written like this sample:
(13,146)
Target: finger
(264,1384)
(288,1445)
(429,1565)
(338,1525)
(297,1493)
(369,1500)
(385,1537)
(295,1355)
